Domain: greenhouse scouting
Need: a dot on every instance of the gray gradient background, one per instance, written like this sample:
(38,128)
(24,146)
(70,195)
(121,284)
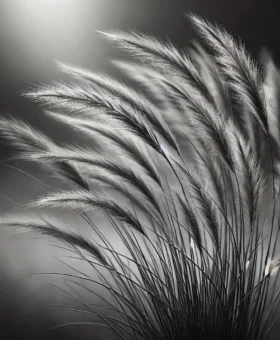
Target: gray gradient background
(35,33)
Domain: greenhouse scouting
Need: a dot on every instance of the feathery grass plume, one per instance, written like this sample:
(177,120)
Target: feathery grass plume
(244,78)
(239,68)
(107,166)
(83,200)
(193,185)
(82,99)
(197,113)
(126,145)
(271,88)
(26,139)
(135,101)
(46,228)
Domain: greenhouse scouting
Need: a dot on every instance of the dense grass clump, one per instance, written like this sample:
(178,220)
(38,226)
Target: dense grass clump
(187,159)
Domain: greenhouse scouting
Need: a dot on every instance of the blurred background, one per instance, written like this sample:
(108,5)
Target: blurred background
(34,34)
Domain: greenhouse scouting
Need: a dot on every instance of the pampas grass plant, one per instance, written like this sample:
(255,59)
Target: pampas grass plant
(184,166)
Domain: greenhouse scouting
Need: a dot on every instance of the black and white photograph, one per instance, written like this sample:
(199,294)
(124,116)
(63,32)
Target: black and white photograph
(139,170)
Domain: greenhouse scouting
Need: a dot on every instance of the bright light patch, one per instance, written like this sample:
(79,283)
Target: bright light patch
(191,243)
(56,28)
(48,1)
(271,266)
(267,268)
